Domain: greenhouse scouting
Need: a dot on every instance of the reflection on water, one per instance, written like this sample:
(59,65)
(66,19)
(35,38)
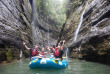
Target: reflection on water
(75,67)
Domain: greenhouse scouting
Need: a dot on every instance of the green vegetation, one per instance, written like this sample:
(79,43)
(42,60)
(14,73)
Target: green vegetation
(54,10)
(74,4)
(9,55)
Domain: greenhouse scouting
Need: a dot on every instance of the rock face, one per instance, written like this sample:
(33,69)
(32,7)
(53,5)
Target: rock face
(45,33)
(20,22)
(93,41)
(15,27)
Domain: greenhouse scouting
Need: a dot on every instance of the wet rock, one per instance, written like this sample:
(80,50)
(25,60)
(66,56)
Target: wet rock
(93,36)
(14,27)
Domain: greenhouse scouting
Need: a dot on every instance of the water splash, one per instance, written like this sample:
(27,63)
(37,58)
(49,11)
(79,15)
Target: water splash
(21,54)
(66,53)
(80,23)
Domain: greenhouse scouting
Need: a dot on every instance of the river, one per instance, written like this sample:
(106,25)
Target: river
(75,67)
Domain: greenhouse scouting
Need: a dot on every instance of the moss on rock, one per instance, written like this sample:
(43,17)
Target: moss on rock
(9,56)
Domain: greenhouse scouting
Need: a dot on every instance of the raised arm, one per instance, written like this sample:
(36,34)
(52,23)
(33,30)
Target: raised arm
(48,50)
(63,45)
(25,45)
(59,44)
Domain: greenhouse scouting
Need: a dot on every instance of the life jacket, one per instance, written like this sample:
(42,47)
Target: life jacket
(56,53)
(43,54)
(56,49)
(61,52)
(35,53)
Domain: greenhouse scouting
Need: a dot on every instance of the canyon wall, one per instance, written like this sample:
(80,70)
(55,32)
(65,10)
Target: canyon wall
(15,27)
(20,22)
(93,39)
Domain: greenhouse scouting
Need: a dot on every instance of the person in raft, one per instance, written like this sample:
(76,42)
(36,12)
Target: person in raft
(58,51)
(43,53)
(33,51)
(53,51)
(61,51)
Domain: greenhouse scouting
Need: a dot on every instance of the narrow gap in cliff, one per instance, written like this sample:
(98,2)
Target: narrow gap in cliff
(106,15)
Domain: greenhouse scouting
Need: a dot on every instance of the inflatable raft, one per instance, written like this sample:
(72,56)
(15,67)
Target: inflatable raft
(48,63)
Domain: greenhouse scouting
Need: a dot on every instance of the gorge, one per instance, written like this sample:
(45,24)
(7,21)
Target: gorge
(45,23)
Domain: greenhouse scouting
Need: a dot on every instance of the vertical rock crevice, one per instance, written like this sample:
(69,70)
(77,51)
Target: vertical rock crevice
(15,27)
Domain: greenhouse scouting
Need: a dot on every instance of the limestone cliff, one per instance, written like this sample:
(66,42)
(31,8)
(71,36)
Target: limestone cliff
(45,32)
(93,41)
(19,21)
(15,26)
